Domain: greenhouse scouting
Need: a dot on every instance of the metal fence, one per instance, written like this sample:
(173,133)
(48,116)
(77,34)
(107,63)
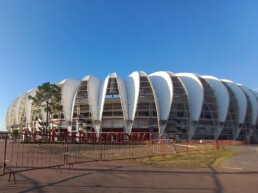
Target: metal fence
(23,152)
(17,155)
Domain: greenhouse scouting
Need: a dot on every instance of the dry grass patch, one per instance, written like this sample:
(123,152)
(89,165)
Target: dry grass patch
(201,158)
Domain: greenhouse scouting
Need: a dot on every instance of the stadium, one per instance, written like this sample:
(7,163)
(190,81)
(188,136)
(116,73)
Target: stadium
(177,105)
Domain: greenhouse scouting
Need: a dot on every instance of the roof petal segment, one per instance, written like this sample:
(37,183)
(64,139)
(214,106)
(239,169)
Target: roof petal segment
(253,101)
(195,92)
(17,107)
(163,86)
(133,86)
(123,94)
(241,100)
(28,104)
(222,96)
(93,94)
(69,89)
(102,94)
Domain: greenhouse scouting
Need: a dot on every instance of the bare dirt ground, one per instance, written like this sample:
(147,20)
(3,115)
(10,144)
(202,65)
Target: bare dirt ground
(238,174)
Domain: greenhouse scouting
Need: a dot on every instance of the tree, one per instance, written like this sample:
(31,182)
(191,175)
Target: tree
(47,96)
(15,134)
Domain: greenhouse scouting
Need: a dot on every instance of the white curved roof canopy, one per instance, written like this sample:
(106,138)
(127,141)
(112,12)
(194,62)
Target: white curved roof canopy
(222,96)
(255,93)
(253,101)
(163,86)
(195,93)
(9,113)
(7,118)
(102,94)
(133,86)
(142,73)
(17,107)
(256,96)
(28,105)
(87,77)
(12,112)
(62,82)
(93,94)
(241,99)
(69,89)
(123,95)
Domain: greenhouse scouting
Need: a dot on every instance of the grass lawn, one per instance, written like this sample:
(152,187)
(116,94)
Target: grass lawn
(200,158)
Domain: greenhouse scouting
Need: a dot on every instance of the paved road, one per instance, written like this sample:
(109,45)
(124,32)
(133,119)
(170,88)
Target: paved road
(247,160)
(114,177)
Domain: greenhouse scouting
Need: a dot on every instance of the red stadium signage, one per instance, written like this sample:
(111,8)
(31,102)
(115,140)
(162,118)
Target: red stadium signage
(87,137)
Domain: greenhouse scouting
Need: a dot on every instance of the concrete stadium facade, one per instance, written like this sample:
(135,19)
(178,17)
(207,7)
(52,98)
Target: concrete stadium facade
(182,105)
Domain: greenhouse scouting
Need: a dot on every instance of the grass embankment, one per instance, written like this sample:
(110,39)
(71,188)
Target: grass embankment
(200,158)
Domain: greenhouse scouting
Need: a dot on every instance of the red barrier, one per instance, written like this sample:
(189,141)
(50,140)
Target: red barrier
(67,148)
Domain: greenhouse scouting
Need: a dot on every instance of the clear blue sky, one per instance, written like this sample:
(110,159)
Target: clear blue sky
(50,40)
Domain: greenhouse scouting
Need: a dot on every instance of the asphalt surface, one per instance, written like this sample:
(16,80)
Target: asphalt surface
(247,160)
(238,174)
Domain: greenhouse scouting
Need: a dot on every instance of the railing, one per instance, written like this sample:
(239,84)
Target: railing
(24,152)
(19,156)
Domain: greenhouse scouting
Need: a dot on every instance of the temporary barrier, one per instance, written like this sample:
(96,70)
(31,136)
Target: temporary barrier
(3,143)
(19,156)
(24,152)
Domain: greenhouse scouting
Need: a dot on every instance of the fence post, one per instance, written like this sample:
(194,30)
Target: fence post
(216,144)
(66,153)
(5,147)
(149,149)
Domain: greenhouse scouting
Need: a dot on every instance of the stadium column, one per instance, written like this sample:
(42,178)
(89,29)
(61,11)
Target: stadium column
(129,126)
(217,132)
(236,132)
(249,133)
(191,131)
(97,127)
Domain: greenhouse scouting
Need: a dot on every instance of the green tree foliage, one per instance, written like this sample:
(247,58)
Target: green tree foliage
(15,133)
(47,96)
